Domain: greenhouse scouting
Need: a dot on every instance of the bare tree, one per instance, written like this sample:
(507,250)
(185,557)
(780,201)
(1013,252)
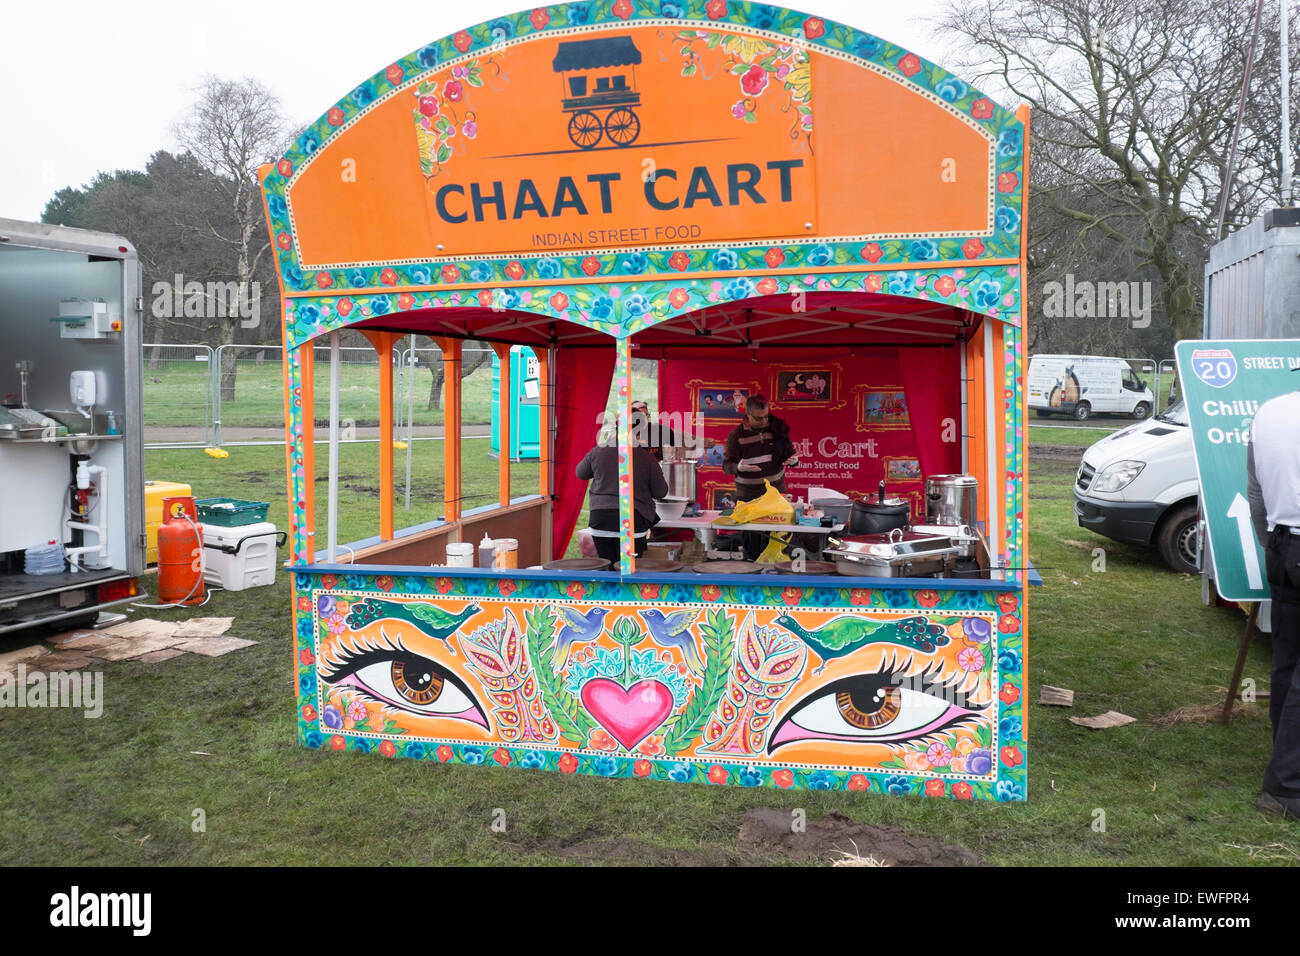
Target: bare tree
(234,127)
(1134,105)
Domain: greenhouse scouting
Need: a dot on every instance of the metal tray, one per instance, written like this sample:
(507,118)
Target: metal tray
(894,555)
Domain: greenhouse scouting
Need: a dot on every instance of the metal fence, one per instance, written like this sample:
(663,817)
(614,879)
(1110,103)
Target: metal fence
(199,396)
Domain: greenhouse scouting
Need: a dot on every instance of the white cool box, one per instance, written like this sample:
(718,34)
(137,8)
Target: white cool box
(241,557)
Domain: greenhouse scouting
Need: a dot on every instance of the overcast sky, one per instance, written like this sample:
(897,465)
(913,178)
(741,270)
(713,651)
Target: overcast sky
(98,86)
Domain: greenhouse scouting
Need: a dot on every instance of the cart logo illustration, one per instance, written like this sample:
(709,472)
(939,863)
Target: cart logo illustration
(599,91)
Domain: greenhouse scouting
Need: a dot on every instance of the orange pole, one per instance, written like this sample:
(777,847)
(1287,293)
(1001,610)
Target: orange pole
(503,432)
(451,413)
(383,343)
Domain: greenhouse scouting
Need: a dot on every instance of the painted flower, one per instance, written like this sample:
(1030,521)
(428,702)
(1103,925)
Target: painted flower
(649,591)
(678,297)
(970,659)
(405,301)
(753,81)
(284,240)
(927,599)
(716,9)
(671,9)
(1009,727)
(1008,601)
(444,753)
(602,307)
(679,261)
(910,65)
(380,305)
(454,91)
(972,248)
(334,117)
(333,717)
(710,592)
(652,746)
(860,597)
(750,777)
(679,772)
(590,265)
(568,763)
(738,110)
(774,257)
(622,9)
(814,27)
(925,250)
(443,585)
(485,298)
(724,259)
(324,280)
(450,273)
(514,269)
(635,263)
(783,779)
(717,774)
(987,296)
(470,129)
(506,586)
(945,285)
(578,14)
(559,302)
(1009,660)
(939,754)
(951,89)
(898,785)
(934,788)
(539,18)
(308,712)
(284,168)
(599,739)
(982,108)
(376,721)
(635,304)
(792,596)
(357,710)
(387,748)
(338,743)
(859,781)
(820,256)
(394,74)
(384,582)
(1009,693)
(576,590)
(1007,182)
(1007,219)
(871,252)
(916,761)
(1008,143)
(1011,757)
(741,288)
(642,768)
(309,142)
(501,756)
(472,755)
(1008,624)
(768,286)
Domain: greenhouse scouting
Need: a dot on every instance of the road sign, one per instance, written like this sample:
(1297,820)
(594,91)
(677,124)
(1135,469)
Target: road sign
(1224,383)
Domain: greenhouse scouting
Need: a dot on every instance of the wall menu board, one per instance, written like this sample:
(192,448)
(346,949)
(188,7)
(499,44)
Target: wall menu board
(1224,383)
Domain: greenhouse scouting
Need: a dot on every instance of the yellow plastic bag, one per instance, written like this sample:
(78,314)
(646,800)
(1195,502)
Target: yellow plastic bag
(768,508)
(775,551)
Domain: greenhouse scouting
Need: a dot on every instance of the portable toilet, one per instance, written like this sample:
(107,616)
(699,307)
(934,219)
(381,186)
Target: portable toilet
(525,405)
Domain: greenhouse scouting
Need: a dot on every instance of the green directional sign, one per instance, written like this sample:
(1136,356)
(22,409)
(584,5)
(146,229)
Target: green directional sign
(1224,383)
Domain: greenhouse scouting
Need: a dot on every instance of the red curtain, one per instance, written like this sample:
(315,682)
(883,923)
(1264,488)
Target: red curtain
(582,377)
(929,376)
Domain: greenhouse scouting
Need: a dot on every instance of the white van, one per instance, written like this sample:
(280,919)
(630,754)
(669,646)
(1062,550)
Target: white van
(1084,385)
(1139,486)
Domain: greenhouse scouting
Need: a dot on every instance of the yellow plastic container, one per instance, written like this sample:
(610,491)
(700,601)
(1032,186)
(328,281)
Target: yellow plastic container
(154,493)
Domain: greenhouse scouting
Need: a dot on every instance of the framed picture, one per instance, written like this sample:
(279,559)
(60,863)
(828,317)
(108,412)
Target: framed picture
(722,497)
(902,469)
(803,387)
(882,408)
(720,401)
(713,456)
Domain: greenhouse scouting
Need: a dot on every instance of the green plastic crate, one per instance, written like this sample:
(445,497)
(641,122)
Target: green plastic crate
(231,512)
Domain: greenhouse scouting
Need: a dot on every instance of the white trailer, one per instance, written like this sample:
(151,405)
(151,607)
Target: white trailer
(71,442)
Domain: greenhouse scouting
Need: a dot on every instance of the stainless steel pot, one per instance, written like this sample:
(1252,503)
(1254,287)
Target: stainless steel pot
(951,500)
(680,476)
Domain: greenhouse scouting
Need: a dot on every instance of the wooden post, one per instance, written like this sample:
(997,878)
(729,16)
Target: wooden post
(504,396)
(383,343)
(451,364)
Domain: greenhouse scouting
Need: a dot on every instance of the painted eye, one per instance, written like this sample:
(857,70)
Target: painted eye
(410,682)
(874,708)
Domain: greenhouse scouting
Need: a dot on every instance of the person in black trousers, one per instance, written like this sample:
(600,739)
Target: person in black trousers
(600,467)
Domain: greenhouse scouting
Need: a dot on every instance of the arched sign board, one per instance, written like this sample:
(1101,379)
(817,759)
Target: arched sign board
(594,171)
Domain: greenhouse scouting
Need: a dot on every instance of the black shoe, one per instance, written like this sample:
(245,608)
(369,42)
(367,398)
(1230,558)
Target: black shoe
(1288,808)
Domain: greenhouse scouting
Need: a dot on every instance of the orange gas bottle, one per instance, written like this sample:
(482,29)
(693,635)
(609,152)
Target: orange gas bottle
(180,553)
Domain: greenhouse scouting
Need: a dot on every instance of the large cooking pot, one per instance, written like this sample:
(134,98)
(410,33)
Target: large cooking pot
(879,515)
(680,476)
(951,500)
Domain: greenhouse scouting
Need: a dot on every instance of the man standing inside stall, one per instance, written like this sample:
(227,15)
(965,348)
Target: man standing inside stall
(758,450)
(1273,488)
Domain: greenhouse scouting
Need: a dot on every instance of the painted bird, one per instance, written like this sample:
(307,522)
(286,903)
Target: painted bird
(577,627)
(434,621)
(674,630)
(847,633)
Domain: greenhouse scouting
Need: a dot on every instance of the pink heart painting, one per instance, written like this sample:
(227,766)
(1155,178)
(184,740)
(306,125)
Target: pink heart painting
(629,714)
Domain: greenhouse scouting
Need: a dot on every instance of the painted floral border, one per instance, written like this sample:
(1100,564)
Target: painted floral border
(927,79)
(1010,759)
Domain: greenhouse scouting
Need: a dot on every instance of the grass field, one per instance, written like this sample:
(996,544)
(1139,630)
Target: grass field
(123,789)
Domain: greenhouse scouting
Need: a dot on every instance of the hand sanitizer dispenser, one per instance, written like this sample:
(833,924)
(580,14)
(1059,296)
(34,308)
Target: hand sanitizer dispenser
(81,387)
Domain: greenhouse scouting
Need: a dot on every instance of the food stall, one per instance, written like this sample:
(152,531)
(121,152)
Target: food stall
(763,202)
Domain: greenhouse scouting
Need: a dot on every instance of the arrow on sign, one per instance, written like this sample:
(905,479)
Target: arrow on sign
(1240,510)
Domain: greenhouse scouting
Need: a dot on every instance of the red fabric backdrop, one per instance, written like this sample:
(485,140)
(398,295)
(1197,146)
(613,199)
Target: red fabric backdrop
(582,378)
(854,419)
